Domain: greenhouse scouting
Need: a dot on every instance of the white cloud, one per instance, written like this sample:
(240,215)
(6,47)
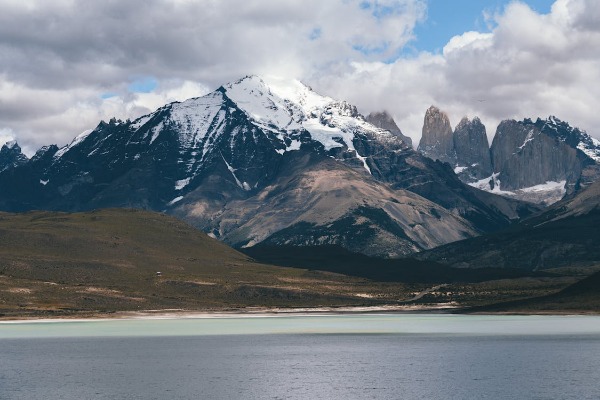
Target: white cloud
(530,65)
(60,58)
(6,135)
(66,64)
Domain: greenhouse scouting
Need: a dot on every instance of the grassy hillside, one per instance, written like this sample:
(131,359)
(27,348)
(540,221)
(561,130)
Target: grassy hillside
(100,262)
(582,296)
(105,261)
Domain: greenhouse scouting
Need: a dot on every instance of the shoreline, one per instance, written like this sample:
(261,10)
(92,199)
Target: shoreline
(258,312)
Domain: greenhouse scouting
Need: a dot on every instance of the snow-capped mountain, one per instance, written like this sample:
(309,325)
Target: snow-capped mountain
(257,161)
(11,156)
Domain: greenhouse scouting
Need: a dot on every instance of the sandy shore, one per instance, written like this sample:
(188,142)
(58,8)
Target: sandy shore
(253,312)
(234,313)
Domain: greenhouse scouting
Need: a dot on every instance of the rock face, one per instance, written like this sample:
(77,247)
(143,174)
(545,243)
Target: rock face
(385,121)
(539,161)
(466,148)
(11,156)
(437,140)
(472,150)
(524,156)
(543,154)
(254,162)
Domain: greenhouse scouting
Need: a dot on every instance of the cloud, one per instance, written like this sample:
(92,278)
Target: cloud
(6,135)
(66,64)
(529,65)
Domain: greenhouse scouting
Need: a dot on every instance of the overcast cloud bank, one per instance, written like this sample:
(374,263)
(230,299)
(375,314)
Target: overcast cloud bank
(67,64)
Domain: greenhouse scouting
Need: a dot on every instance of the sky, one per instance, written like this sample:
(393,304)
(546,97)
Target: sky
(67,64)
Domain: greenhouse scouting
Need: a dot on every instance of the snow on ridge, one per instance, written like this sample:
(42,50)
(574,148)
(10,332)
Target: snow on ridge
(287,106)
(547,186)
(592,151)
(78,139)
(10,144)
(194,117)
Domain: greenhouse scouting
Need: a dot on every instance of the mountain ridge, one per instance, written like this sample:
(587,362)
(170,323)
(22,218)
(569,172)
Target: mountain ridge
(228,147)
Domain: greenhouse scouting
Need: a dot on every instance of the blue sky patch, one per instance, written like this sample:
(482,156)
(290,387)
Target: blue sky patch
(315,34)
(144,84)
(446,19)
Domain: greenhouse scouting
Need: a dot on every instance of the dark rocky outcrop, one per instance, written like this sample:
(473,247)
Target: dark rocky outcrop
(11,156)
(539,161)
(527,153)
(472,150)
(437,141)
(385,121)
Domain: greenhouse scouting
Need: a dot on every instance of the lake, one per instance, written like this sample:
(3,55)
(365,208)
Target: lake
(364,356)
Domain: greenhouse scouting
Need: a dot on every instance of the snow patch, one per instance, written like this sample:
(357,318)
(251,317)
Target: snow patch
(458,170)
(10,144)
(175,200)
(484,184)
(528,138)
(242,185)
(44,182)
(545,187)
(155,132)
(180,184)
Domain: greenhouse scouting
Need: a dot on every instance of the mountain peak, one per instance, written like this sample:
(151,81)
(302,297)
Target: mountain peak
(384,120)
(436,140)
(11,144)
(11,155)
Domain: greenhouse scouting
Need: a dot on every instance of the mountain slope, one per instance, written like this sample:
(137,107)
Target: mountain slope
(565,235)
(315,201)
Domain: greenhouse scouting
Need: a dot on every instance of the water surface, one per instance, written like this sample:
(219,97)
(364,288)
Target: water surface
(304,357)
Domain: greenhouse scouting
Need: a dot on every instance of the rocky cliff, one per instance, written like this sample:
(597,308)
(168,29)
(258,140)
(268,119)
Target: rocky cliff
(385,121)
(539,162)
(437,140)
(543,160)
(11,156)
(472,150)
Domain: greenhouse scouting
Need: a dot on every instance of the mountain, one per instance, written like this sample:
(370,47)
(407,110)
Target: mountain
(543,156)
(315,200)
(385,121)
(465,148)
(473,161)
(538,162)
(564,235)
(11,156)
(437,140)
(243,163)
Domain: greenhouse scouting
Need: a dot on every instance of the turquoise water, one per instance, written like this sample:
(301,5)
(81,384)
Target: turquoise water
(391,356)
(304,324)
